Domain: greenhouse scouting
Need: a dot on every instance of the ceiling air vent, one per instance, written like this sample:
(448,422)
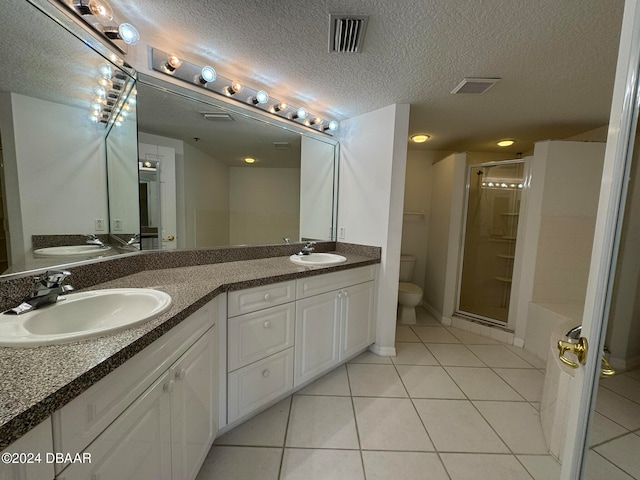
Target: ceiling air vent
(281,145)
(217,117)
(346,32)
(475,86)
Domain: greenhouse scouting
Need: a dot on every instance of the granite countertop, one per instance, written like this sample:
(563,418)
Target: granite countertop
(37,381)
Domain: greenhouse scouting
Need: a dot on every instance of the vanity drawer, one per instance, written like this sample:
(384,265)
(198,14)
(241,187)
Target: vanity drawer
(310,286)
(256,335)
(257,384)
(258,298)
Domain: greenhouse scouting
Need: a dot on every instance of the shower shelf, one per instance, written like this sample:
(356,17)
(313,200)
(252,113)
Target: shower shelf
(503,279)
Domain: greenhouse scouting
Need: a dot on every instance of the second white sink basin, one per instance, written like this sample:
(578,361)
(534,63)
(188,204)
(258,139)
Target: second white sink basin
(70,250)
(83,315)
(317,259)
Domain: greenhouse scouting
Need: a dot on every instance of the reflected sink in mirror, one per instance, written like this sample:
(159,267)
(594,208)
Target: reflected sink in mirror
(70,250)
(83,315)
(317,259)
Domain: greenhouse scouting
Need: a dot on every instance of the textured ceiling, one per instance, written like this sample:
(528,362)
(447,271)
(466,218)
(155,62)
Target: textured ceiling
(556,59)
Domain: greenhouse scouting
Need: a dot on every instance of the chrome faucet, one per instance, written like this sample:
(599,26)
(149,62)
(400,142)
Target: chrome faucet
(92,239)
(134,239)
(47,292)
(307,249)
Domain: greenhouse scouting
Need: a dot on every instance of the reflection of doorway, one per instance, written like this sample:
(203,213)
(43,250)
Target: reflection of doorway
(149,197)
(4,227)
(160,196)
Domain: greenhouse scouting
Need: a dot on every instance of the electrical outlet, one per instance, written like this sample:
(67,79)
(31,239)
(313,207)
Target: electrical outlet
(99,225)
(342,232)
(117,225)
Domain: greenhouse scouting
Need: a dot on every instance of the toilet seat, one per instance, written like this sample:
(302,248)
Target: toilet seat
(407,287)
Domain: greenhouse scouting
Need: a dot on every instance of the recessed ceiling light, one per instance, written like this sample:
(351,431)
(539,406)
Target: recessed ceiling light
(506,143)
(250,160)
(420,138)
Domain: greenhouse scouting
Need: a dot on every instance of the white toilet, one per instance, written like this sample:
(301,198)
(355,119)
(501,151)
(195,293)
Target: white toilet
(409,294)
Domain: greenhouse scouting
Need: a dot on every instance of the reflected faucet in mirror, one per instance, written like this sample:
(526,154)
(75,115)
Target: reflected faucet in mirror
(92,239)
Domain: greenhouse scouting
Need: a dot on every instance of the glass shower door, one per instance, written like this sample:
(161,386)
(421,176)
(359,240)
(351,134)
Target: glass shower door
(494,193)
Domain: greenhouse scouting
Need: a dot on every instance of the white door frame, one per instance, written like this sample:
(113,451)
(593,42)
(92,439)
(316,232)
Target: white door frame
(617,161)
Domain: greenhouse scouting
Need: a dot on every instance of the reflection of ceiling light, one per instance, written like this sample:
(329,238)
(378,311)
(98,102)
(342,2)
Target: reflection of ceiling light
(506,143)
(420,138)
(128,34)
(279,106)
(249,160)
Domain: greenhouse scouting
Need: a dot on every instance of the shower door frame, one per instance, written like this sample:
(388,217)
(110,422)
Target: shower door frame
(526,181)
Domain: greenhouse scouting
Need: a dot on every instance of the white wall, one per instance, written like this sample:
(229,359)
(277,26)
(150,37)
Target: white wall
(417,198)
(206,201)
(445,226)
(56,166)
(264,204)
(373,155)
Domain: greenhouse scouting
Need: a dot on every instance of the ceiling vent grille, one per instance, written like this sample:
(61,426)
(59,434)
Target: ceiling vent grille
(281,145)
(476,86)
(346,33)
(217,117)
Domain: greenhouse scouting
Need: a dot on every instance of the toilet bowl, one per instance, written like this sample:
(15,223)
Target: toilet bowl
(409,294)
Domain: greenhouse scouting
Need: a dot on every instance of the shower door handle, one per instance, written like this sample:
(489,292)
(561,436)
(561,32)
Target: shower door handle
(579,349)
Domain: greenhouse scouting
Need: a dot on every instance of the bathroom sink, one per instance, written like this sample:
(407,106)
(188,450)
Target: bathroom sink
(83,315)
(317,259)
(70,250)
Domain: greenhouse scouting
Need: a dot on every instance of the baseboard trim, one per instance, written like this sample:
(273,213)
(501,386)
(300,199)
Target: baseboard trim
(382,351)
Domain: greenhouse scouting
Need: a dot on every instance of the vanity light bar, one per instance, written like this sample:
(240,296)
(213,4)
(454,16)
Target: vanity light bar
(171,64)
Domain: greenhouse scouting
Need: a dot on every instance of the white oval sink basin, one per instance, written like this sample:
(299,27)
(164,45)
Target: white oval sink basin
(83,315)
(70,250)
(317,259)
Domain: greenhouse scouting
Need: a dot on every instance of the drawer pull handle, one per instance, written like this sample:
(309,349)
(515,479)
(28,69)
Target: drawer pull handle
(267,324)
(180,374)
(267,296)
(265,373)
(168,387)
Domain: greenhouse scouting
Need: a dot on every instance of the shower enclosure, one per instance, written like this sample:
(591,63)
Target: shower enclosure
(494,193)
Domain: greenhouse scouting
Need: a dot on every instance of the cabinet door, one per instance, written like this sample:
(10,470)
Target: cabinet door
(357,319)
(137,445)
(317,335)
(194,406)
(36,441)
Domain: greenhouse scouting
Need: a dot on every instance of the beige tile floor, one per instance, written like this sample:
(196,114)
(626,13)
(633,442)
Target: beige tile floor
(451,405)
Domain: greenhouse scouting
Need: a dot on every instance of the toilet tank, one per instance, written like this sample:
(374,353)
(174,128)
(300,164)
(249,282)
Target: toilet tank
(407,264)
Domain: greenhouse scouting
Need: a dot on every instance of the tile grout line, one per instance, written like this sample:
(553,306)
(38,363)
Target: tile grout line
(284,440)
(355,421)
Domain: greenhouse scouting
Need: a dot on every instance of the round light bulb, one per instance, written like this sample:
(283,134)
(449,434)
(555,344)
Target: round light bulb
(104,69)
(100,91)
(279,106)
(301,113)
(250,160)
(262,97)
(128,33)
(333,125)
(173,62)
(101,10)
(208,74)
(316,120)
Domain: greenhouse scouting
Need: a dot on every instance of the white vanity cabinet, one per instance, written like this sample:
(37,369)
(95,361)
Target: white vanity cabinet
(29,455)
(281,336)
(168,428)
(333,325)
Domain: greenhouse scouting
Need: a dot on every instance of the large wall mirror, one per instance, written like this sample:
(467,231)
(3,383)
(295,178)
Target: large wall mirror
(54,179)
(197,189)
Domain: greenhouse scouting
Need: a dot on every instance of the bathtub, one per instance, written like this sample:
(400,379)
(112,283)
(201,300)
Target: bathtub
(551,323)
